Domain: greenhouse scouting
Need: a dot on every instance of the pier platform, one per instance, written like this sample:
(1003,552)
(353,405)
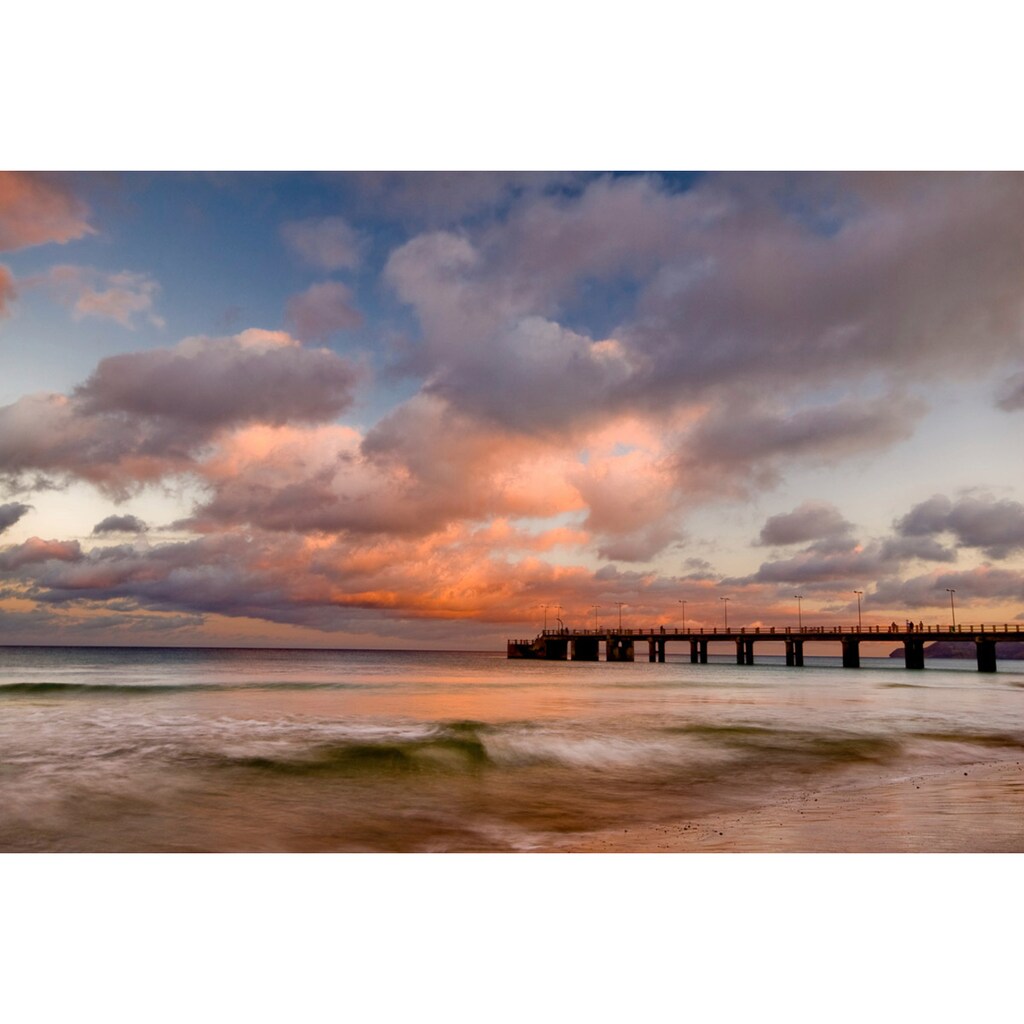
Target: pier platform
(620,644)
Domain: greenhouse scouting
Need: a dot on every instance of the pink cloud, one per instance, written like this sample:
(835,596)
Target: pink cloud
(120,297)
(38,208)
(36,550)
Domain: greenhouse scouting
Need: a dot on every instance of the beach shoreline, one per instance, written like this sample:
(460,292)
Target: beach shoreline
(974,808)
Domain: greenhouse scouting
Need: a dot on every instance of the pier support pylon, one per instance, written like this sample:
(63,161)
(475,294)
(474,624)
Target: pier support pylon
(795,653)
(619,649)
(584,648)
(745,652)
(913,652)
(986,655)
(851,653)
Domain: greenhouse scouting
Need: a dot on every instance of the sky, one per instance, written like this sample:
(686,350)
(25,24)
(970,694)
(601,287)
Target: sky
(434,410)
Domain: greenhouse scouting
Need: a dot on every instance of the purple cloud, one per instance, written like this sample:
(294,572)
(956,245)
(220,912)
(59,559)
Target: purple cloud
(323,309)
(35,551)
(144,415)
(1011,394)
(120,524)
(256,375)
(813,520)
(994,526)
(11,513)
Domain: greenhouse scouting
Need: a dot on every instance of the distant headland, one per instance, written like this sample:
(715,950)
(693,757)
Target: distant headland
(1008,651)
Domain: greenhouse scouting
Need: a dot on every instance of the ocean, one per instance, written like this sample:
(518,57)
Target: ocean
(175,750)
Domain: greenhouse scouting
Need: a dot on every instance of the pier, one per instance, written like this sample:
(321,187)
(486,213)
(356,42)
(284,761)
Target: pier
(620,644)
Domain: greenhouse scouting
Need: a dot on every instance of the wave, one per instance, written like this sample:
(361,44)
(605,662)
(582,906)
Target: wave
(456,746)
(993,739)
(71,689)
(786,745)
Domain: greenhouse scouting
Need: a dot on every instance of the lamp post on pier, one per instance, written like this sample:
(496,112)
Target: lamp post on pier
(620,604)
(952,610)
(860,594)
(683,603)
(725,607)
(594,608)
(799,611)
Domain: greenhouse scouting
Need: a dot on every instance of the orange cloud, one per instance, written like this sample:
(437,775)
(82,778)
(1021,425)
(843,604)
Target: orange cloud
(7,292)
(37,208)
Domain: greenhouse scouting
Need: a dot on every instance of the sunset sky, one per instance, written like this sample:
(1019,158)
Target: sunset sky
(410,410)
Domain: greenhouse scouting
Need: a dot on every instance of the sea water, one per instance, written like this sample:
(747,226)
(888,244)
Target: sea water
(115,749)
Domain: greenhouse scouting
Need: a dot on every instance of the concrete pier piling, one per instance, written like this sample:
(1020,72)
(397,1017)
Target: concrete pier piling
(986,655)
(851,653)
(585,648)
(619,649)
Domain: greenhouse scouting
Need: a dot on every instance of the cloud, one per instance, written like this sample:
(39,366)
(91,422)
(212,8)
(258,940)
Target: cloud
(439,198)
(982,584)
(11,513)
(535,377)
(143,415)
(120,524)
(1011,394)
(211,382)
(121,297)
(328,243)
(418,471)
(994,526)
(813,520)
(740,284)
(630,494)
(900,549)
(820,433)
(762,290)
(36,550)
(323,309)
(852,565)
(7,290)
(36,209)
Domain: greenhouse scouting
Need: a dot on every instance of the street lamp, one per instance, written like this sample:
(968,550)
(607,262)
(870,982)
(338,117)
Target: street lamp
(545,607)
(860,594)
(594,608)
(726,608)
(952,610)
(620,604)
(799,613)
(683,603)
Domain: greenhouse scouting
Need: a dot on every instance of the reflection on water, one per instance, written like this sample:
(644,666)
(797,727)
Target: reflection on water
(395,751)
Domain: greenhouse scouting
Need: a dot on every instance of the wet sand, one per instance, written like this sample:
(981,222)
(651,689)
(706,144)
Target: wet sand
(976,808)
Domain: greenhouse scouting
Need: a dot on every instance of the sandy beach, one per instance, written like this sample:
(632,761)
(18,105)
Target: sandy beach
(975,808)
